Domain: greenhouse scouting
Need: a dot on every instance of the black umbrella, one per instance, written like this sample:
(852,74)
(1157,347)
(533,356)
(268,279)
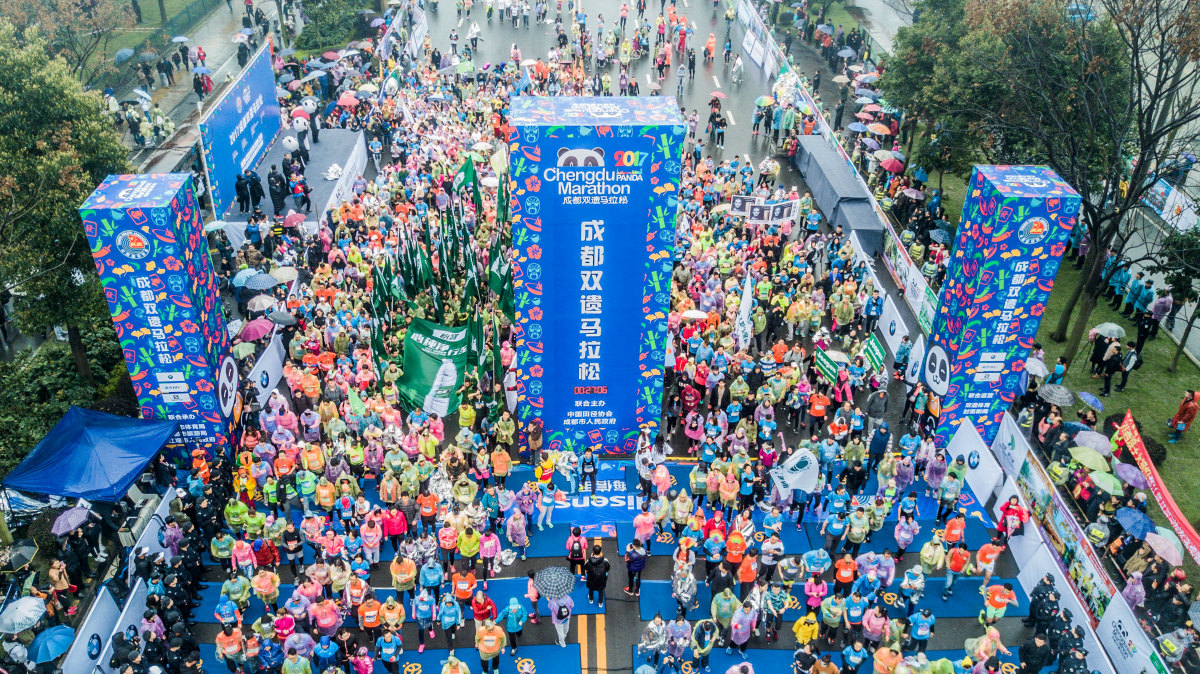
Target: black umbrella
(940,236)
(281,318)
(18,555)
(555,582)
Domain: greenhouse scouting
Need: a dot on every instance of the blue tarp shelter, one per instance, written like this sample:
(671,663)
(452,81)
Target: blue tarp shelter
(91,455)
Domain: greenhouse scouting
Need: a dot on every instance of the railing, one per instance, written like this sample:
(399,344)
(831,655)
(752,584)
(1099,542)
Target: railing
(159,40)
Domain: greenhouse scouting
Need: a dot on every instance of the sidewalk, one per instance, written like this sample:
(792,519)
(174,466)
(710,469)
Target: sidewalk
(215,35)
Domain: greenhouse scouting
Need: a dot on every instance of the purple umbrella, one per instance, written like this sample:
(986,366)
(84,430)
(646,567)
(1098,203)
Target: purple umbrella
(70,520)
(375,23)
(1130,474)
(257,329)
(870,142)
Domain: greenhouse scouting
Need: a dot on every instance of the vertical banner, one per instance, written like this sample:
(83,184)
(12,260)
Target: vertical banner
(595,195)
(237,131)
(153,260)
(1127,435)
(269,369)
(1015,224)
(1126,643)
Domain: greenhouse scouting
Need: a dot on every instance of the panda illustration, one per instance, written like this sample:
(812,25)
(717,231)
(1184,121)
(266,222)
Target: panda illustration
(592,158)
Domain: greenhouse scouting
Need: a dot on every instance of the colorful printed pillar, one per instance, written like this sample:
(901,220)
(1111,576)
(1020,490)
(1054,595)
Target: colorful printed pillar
(595,193)
(153,260)
(1015,224)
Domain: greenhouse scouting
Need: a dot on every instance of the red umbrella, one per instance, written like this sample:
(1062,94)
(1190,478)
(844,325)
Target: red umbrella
(293,85)
(293,220)
(871,108)
(719,94)
(864,116)
(330,56)
(892,165)
(347,100)
(301,112)
(881,129)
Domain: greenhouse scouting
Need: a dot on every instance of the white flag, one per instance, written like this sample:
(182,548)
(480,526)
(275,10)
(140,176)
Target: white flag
(744,328)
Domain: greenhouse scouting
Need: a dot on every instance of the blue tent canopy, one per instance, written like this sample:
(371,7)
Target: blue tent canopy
(91,455)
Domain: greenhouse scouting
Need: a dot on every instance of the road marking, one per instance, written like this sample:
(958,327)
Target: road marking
(694,25)
(460,23)
(729,114)
(601,645)
(583,644)
(716,81)
(685,3)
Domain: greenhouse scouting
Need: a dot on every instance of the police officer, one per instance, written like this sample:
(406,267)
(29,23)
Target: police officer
(1044,587)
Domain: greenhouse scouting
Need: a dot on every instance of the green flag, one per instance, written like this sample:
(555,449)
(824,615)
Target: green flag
(356,403)
(435,360)
(466,176)
(476,349)
(499,268)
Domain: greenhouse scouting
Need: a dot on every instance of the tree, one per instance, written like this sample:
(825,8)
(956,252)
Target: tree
(329,23)
(1106,102)
(81,33)
(56,145)
(1179,263)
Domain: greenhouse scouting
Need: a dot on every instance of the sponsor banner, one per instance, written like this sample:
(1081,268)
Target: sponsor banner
(1127,434)
(1015,226)
(872,352)
(826,365)
(800,471)
(1010,446)
(1128,647)
(268,370)
(892,325)
(152,257)
(435,361)
(1172,205)
(237,131)
(595,195)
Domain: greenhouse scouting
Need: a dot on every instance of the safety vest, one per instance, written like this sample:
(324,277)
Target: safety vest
(313,459)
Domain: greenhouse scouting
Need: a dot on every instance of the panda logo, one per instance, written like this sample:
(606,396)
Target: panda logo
(937,370)
(593,158)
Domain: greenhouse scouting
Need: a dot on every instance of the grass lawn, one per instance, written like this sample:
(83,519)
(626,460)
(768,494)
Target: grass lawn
(1152,393)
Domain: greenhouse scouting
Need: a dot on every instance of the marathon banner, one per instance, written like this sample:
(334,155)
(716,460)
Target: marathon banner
(595,195)
(1128,436)
(152,257)
(435,361)
(1015,224)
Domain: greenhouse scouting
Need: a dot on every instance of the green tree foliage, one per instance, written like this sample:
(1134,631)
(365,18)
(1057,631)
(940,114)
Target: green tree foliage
(56,145)
(329,24)
(1104,102)
(1179,263)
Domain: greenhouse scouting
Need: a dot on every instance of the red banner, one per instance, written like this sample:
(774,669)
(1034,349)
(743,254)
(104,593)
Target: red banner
(1127,435)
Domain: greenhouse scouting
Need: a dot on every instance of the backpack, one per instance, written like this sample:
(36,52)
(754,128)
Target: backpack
(563,612)
(576,550)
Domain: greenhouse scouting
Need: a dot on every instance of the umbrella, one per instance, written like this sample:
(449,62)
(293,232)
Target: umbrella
(1095,440)
(1089,458)
(857,127)
(347,100)
(240,278)
(892,165)
(555,582)
(281,318)
(464,67)
(239,38)
(143,93)
(838,356)
(363,95)
(286,52)
(375,23)
(51,643)
(654,86)
(694,314)
(214,226)
(881,129)
(202,70)
(301,112)
(285,78)
(943,237)
(1194,612)
(21,615)
(718,94)
(528,62)
(1109,330)
(871,107)
(247,31)
(280,92)
(1108,483)
(70,520)
(856,68)
(763,101)
(293,220)
(841,79)
(847,53)
(1136,522)
(482,146)
(864,100)
(1091,401)
(1056,394)
(242,349)
(1164,548)
(920,175)
(313,75)
(866,117)
(868,93)
(148,56)
(914,193)
(261,282)
(899,155)
(122,55)
(1131,474)
(370,87)
(1034,366)
(489,181)
(180,38)
(720,208)
(256,329)
(260,303)
(869,142)
(869,78)
(882,155)
(330,56)
(828,30)
(284,274)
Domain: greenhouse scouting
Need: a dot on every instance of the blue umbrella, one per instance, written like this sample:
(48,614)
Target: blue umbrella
(898,155)
(51,643)
(122,55)
(286,77)
(864,100)
(242,276)
(868,79)
(1136,522)
(1091,401)
(870,142)
(847,53)
(202,70)
(873,95)
(828,30)
(247,31)
(857,127)
(920,175)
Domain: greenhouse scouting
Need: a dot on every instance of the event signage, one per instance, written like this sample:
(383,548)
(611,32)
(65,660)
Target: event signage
(153,260)
(1172,205)
(595,194)
(872,351)
(239,128)
(1015,224)
(1127,435)
(435,361)
(826,365)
